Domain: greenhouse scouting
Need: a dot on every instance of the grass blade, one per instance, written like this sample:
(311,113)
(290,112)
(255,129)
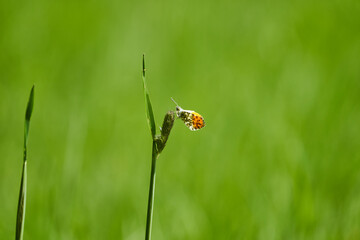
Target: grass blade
(149,111)
(28,113)
(30,104)
(20,218)
(159,143)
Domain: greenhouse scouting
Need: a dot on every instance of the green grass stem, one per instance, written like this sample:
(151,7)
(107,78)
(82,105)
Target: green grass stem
(150,208)
(159,142)
(20,217)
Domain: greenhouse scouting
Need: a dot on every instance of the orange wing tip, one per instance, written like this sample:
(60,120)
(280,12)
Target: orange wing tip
(197,121)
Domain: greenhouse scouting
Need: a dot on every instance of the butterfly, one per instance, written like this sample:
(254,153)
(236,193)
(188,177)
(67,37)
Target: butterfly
(192,119)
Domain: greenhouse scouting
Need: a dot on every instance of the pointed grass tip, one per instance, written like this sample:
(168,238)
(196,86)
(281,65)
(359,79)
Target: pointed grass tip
(30,104)
(143,65)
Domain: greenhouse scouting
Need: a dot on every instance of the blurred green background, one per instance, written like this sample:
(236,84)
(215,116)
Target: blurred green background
(278,83)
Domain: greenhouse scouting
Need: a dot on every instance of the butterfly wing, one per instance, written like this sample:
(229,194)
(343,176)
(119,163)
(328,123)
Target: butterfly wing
(192,120)
(197,121)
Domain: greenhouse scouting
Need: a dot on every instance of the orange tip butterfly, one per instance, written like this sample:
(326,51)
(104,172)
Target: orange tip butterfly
(192,119)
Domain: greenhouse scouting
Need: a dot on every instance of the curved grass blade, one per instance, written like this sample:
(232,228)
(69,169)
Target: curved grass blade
(149,111)
(20,218)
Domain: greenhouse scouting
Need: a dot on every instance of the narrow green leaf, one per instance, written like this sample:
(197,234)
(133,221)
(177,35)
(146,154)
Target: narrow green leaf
(143,68)
(28,113)
(30,104)
(149,111)
(151,120)
(20,217)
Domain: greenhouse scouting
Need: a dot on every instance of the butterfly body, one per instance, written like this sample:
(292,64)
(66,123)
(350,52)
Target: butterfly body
(193,120)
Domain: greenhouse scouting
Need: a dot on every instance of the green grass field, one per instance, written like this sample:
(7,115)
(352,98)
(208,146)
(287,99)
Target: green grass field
(278,83)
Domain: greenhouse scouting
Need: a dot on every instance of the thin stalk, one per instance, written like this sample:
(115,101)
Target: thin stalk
(151,192)
(20,216)
(20,219)
(159,142)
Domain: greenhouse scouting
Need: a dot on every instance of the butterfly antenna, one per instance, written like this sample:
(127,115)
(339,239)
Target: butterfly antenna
(174,102)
